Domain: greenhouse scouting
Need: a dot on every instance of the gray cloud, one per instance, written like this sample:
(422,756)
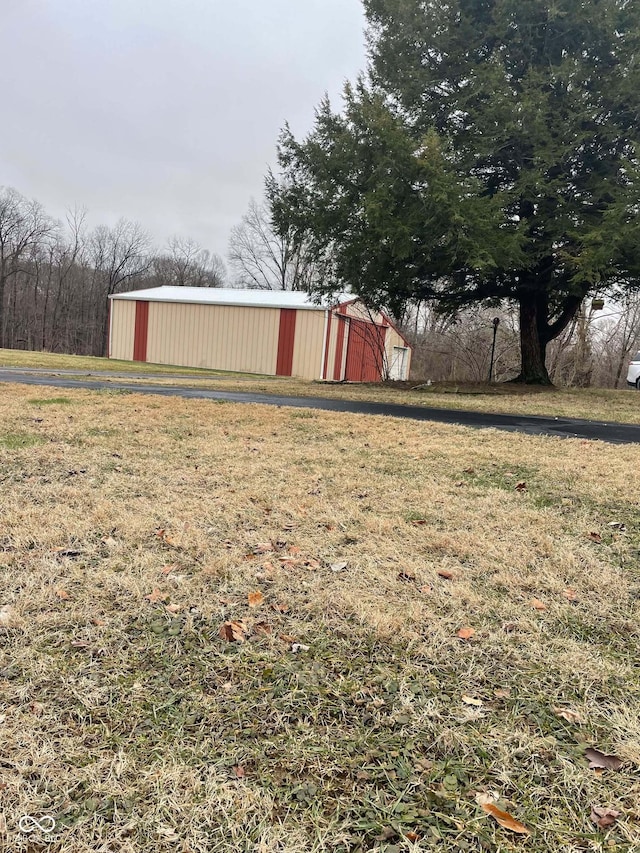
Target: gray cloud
(164,111)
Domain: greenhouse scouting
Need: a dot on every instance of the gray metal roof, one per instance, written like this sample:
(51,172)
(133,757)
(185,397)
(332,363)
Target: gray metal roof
(230,296)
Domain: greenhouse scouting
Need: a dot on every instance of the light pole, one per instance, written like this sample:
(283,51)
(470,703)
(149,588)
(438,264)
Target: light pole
(496,323)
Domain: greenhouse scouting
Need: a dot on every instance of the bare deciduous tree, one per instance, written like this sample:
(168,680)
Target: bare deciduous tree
(263,259)
(187,264)
(23,227)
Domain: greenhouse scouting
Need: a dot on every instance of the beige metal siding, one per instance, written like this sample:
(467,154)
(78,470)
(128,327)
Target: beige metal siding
(361,312)
(223,337)
(122,328)
(395,340)
(308,344)
(332,343)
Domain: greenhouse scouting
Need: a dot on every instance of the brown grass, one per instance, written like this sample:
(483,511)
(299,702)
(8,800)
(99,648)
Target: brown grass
(129,722)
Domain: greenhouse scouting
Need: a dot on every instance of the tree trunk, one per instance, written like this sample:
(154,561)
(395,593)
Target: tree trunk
(533,343)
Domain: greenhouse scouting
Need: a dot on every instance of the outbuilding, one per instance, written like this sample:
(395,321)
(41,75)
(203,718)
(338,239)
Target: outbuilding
(278,333)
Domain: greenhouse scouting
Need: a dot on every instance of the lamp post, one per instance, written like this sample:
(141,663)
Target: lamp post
(496,323)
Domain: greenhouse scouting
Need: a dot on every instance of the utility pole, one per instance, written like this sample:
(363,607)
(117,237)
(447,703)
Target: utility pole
(496,323)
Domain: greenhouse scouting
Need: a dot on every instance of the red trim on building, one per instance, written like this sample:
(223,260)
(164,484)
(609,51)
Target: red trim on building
(286,340)
(141,331)
(327,341)
(365,351)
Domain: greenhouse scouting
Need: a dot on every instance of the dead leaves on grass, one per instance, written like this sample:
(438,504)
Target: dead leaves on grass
(537,604)
(156,596)
(470,700)
(505,820)
(569,715)
(8,616)
(599,761)
(233,632)
(603,816)
(446,574)
(466,633)
(255,599)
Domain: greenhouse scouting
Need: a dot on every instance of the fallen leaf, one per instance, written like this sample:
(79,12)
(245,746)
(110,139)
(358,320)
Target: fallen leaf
(313,564)
(262,628)
(604,817)
(521,487)
(386,833)
(445,573)
(339,567)
(466,633)
(505,820)
(599,760)
(255,599)
(568,715)
(571,594)
(66,552)
(168,833)
(280,608)
(595,537)
(502,694)
(406,576)
(469,700)
(173,608)
(287,638)
(7,616)
(419,522)
(98,622)
(63,594)
(156,596)
(484,798)
(232,632)
(294,550)
(238,772)
(168,569)
(264,548)
(426,589)
(537,604)
(412,836)
(469,471)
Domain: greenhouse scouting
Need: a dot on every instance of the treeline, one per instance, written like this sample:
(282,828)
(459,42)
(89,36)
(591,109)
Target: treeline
(594,350)
(55,277)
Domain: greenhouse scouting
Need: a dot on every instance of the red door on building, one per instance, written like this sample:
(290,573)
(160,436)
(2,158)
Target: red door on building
(365,352)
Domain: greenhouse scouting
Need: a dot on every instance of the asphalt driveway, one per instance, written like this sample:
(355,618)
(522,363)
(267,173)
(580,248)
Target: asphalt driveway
(615,433)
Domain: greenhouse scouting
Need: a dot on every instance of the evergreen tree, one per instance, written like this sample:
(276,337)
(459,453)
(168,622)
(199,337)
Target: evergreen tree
(489,154)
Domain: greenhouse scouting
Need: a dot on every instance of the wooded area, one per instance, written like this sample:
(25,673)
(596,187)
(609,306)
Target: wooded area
(55,277)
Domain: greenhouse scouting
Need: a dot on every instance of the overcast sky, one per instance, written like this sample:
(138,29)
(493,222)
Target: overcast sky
(163,111)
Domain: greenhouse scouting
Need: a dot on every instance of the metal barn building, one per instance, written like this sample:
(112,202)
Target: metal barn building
(279,333)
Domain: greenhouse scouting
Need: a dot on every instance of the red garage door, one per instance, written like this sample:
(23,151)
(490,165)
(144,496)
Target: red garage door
(365,352)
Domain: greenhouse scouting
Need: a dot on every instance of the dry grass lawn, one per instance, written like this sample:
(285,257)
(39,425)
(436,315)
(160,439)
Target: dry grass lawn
(351,717)
(60,361)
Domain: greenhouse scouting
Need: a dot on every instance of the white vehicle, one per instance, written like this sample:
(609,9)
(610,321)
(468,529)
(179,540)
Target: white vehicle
(633,376)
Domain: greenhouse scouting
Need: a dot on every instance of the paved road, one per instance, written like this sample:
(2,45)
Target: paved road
(531,424)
